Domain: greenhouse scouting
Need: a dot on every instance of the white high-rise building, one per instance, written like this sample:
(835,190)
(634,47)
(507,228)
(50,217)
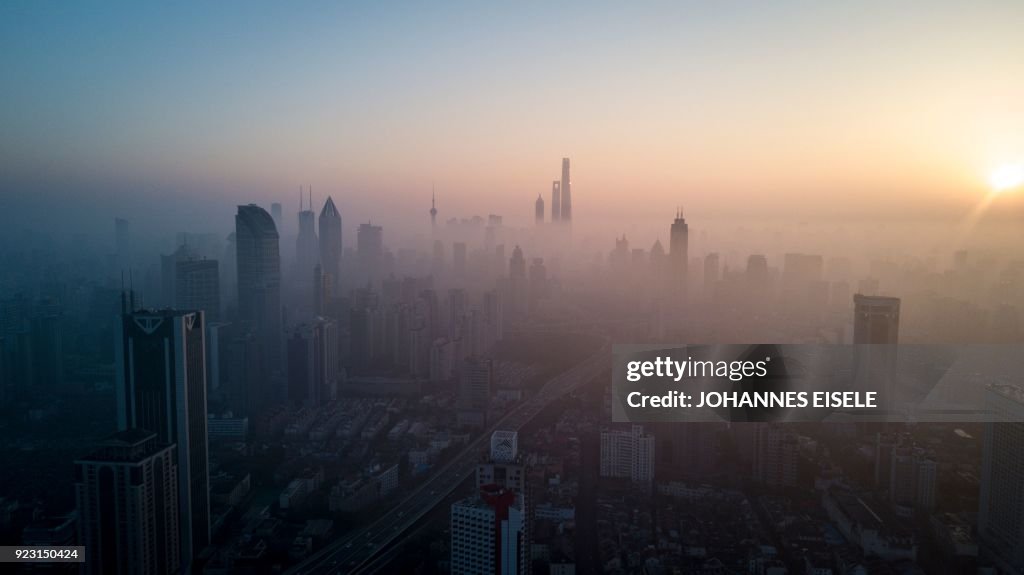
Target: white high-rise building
(628,454)
(489,533)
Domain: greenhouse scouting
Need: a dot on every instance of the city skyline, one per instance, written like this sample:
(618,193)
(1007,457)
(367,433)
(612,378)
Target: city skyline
(915,121)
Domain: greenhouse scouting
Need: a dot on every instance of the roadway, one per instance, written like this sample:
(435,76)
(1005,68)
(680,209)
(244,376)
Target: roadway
(357,549)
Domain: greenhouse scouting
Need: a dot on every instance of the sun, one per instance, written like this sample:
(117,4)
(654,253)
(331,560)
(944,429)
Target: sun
(1006,177)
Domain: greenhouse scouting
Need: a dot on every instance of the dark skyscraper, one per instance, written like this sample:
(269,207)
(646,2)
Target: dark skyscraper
(259,282)
(127,498)
(678,248)
(1001,505)
(538,210)
(161,387)
(566,192)
(556,201)
(330,241)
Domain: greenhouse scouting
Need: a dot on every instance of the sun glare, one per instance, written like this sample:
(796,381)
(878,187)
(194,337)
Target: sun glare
(1006,177)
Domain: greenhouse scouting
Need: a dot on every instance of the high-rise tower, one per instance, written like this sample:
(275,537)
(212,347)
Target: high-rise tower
(678,248)
(556,201)
(161,387)
(538,210)
(330,241)
(1001,505)
(306,242)
(127,497)
(566,192)
(258,262)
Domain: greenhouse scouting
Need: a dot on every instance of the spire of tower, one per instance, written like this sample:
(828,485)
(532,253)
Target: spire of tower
(311,197)
(300,197)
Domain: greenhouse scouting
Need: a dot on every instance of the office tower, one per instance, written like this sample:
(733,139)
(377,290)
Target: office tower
(459,258)
(330,241)
(258,261)
(678,248)
(628,454)
(489,533)
(323,290)
(197,287)
(912,478)
(306,254)
(370,249)
(313,363)
(1001,505)
(566,192)
(126,492)
(517,280)
(776,455)
(538,210)
(711,273)
(556,201)
(161,387)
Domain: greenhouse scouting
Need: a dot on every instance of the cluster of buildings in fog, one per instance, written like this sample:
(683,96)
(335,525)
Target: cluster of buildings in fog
(259,399)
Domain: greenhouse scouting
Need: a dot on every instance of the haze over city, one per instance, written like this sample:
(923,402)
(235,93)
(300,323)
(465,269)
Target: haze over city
(344,288)
(801,108)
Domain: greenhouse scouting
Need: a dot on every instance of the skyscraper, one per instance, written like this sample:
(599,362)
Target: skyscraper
(556,201)
(538,210)
(306,243)
(330,241)
(489,533)
(126,492)
(518,286)
(161,387)
(259,283)
(197,286)
(566,192)
(678,248)
(711,271)
(1001,505)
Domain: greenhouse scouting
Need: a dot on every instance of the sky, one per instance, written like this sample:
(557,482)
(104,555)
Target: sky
(184,109)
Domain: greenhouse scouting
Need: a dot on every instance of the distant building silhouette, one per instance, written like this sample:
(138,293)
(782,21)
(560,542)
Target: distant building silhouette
(538,210)
(556,201)
(161,387)
(126,493)
(331,241)
(306,248)
(711,274)
(678,252)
